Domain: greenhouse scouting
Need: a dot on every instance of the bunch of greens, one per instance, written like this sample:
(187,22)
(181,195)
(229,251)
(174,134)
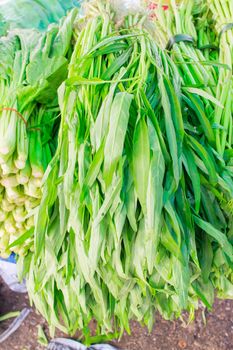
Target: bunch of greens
(33,65)
(136,204)
(222,13)
(222,16)
(202,70)
(189,48)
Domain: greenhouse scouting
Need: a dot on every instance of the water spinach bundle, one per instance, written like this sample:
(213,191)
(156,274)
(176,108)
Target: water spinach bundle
(136,210)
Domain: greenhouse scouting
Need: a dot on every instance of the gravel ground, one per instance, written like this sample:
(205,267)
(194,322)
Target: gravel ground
(217,334)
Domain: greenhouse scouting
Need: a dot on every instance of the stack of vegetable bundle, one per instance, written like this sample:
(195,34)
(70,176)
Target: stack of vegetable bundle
(223,16)
(222,13)
(177,32)
(132,186)
(136,208)
(202,75)
(33,66)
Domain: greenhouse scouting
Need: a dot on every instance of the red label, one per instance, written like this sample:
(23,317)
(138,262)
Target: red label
(153,6)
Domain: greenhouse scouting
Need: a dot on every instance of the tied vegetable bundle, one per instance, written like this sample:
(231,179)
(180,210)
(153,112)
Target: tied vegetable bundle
(136,213)
(33,65)
(222,13)
(188,32)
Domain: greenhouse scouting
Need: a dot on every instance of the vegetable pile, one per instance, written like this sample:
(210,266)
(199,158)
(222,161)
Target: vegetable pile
(28,123)
(135,211)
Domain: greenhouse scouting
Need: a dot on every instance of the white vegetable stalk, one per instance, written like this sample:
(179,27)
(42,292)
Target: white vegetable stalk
(20,226)
(8,125)
(32,191)
(31,203)
(20,251)
(24,175)
(36,181)
(3,215)
(22,146)
(2,231)
(35,147)
(9,167)
(12,238)
(10,181)
(13,193)
(4,241)
(3,158)
(19,214)
(7,206)
(30,222)
(9,225)
(20,200)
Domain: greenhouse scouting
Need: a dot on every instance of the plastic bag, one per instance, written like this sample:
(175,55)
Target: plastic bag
(36,14)
(126,7)
(67,344)
(8,272)
(15,325)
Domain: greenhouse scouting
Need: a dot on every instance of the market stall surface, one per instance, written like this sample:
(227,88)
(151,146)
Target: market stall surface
(216,334)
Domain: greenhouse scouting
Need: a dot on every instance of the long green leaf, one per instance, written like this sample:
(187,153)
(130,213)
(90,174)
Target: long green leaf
(141,161)
(118,125)
(220,237)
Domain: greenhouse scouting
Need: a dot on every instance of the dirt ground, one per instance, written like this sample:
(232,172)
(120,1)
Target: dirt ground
(217,334)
